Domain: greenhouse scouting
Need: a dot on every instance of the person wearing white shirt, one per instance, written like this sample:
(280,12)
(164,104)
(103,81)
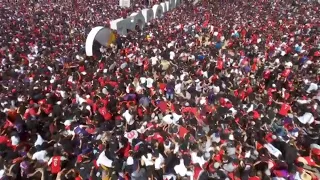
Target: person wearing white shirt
(2,173)
(40,156)
(79,99)
(158,164)
(312,87)
(168,119)
(128,117)
(103,160)
(147,160)
(154,60)
(130,161)
(181,169)
(39,140)
(273,150)
(288,64)
(196,159)
(149,82)
(306,118)
(198,85)
(172,55)
(216,89)
(143,80)
(177,88)
(15,140)
(303,101)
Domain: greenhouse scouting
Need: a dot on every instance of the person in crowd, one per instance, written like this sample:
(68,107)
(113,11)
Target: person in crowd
(212,90)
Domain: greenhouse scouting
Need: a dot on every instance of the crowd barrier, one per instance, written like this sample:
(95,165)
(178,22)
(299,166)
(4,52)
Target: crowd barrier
(105,36)
(122,25)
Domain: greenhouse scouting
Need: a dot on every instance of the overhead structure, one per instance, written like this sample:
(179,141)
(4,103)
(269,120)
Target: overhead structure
(104,36)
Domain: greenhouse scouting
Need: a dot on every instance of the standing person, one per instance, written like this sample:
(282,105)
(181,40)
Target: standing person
(159,164)
(148,161)
(56,163)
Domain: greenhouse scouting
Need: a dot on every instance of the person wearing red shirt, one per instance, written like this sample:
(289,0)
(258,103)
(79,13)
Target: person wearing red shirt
(56,163)
(104,112)
(284,109)
(220,64)
(157,137)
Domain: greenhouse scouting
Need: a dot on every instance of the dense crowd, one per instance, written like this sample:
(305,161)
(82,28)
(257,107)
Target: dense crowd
(217,90)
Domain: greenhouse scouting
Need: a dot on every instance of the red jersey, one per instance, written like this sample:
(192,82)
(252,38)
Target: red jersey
(254,178)
(197,172)
(156,137)
(286,72)
(182,132)
(220,65)
(105,113)
(267,74)
(284,109)
(56,164)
